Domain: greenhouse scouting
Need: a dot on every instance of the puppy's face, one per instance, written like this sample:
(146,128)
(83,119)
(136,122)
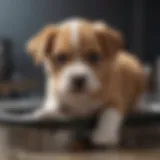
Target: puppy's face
(75,54)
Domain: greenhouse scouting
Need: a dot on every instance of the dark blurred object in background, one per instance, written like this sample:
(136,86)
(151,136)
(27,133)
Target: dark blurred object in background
(12,84)
(6,64)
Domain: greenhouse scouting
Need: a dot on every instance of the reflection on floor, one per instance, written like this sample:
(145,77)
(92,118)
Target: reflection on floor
(110,155)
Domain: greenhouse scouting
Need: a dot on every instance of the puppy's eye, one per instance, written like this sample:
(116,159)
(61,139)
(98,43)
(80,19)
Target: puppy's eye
(61,59)
(93,57)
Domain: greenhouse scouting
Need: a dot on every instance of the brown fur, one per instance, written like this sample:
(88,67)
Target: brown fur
(120,73)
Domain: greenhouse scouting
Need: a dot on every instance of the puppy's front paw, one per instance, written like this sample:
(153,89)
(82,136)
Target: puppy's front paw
(50,109)
(107,131)
(48,113)
(43,113)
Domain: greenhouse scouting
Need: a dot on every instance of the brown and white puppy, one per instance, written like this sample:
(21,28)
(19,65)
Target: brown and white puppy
(87,68)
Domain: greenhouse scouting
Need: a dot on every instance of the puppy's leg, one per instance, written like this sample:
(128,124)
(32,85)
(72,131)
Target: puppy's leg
(50,108)
(108,128)
(51,105)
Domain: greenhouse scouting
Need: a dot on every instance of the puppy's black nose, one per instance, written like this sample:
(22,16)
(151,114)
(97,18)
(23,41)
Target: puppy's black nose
(79,83)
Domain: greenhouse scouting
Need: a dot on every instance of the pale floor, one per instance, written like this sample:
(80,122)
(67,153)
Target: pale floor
(108,155)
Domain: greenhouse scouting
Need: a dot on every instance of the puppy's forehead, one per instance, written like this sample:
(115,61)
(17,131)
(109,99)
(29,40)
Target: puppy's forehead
(73,28)
(74,36)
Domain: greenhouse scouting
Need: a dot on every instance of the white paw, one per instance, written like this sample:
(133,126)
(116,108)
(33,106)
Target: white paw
(48,113)
(49,110)
(107,130)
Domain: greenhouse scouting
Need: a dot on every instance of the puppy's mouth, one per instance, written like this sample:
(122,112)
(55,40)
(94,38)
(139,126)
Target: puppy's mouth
(79,90)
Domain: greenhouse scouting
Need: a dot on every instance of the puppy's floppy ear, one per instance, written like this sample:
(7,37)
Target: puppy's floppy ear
(110,39)
(41,44)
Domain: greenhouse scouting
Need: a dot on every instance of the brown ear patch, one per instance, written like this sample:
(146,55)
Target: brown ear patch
(110,39)
(41,44)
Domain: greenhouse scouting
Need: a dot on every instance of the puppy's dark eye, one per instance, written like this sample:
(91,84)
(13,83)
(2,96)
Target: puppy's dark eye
(93,57)
(61,59)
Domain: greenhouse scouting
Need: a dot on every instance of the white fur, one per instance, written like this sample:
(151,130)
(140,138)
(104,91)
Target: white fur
(108,128)
(82,105)
(77,68)
(74,30)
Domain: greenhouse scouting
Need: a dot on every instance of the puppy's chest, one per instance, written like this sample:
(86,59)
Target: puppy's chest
(82,103)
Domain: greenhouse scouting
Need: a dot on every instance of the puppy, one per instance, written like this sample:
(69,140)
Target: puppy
(87,69)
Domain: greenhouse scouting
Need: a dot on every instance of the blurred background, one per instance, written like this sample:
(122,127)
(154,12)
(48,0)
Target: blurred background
(20,19)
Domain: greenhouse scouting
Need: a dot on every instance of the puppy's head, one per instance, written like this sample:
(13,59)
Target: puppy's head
(76,53)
